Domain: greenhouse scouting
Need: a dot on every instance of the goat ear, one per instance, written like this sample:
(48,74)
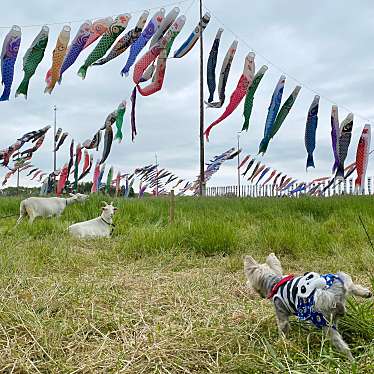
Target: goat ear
(105,203)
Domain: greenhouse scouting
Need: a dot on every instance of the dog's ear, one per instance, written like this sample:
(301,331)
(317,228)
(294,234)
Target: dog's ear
(274,264)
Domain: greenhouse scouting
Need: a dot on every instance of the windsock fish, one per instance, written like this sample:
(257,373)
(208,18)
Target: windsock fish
(94,143)
(53,74)
(133,114)
(159,75)
(281,183)
(62,180)
(240,91)
(310,131)
(335,135)
(118,181)
(224,75)
(61,141)
(145,36)
(245,159)
(258,171)
(119,120)
(276,179)
(9,55)
(164,26)
(265,171)
(110,119)
(362,156)
(71,160)
(99,179)
(58,133)
(108,139)
(76,47)
(270,177)
(109,180)
(285,109)
(106,41)
(345,135)
(193,38)
(248,103)
(98,28)
(32,59)
(95,178)
(33,149)
(126,41)
(174,30)
(254,170)
(87,166)
(272,113)
(249,166)
(212,64)
(31,171)
(36,174)
(78,157)
(285,184)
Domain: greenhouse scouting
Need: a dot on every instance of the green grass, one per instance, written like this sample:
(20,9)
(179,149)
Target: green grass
(171,298)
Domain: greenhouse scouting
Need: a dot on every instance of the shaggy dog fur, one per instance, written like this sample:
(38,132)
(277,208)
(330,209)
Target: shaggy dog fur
(330,301)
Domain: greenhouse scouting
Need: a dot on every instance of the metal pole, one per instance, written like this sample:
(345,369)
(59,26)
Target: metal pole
(202,150)
(54,139)
(238,166)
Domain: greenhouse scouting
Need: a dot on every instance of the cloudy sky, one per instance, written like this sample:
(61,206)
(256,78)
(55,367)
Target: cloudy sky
(324,45)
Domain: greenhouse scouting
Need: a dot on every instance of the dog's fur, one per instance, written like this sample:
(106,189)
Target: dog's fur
(330,302)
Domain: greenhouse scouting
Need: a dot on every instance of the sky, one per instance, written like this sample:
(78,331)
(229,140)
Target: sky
(324,47)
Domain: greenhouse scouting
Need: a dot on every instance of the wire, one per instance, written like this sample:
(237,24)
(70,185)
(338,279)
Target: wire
(281,70)
(92,18)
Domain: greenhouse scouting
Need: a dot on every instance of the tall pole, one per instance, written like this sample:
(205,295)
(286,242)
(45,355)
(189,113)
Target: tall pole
(239,193)
(54,139)
(202,150)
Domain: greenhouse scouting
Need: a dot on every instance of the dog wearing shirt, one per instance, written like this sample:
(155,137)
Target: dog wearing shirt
(312,297)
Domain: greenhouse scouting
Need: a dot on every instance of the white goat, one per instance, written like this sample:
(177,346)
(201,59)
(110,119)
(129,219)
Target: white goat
(47,206)
(100,227)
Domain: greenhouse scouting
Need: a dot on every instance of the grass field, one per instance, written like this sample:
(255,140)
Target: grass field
(161,298)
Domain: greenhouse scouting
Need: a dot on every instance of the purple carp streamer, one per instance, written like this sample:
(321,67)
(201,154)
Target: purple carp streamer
(164,26)
(144,38)
(344,140)
(224,75)
(212,64)
(76,47)
(250,164)
(265,171)
(335,135)
(272,113)
(107,40)
(310,131)
(32,58)
(9,55)
(126,41)
(193,38)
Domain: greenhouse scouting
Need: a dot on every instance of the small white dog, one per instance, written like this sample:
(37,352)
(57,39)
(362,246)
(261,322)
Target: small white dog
(319,299)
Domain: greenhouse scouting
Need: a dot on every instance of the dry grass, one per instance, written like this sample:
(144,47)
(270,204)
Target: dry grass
(154,306)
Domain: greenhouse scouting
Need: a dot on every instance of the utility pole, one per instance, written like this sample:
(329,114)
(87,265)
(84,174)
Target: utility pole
(54,139)
(202,144)
(239,193)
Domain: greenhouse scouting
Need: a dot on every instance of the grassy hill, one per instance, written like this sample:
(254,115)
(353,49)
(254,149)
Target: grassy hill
(171,298)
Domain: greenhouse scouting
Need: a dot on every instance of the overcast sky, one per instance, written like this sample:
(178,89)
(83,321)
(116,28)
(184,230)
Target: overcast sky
(325,45)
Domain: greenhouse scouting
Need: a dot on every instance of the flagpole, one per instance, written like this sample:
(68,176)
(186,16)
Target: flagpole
(202,144)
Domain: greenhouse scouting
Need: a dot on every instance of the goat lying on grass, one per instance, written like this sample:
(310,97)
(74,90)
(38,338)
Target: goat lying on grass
(319,299)
(100,227)
(47,206)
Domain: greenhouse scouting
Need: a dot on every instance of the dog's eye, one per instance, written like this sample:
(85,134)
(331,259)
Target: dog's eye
(303,289)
